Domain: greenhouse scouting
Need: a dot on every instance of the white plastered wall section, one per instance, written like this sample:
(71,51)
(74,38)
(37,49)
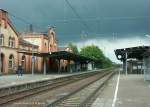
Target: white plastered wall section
(147,68)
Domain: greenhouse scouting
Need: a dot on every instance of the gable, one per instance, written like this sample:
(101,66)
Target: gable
(6,24)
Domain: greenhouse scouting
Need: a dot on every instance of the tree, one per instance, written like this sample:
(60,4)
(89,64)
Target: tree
(73,48)
(107,62)
(94,52)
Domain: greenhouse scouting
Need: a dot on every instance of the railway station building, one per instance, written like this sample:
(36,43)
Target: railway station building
(10,44)
(46,43)
(33,50)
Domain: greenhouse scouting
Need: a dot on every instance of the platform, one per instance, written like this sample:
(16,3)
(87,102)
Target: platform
(132,91)
(11,80)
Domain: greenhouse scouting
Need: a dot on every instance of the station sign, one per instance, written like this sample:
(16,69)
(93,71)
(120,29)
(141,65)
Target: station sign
(34,58)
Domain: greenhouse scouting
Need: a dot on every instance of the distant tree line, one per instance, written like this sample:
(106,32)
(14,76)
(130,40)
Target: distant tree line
(94,52)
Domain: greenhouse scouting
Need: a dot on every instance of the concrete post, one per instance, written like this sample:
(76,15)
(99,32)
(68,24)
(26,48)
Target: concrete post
(75,66)
(81,66)
(93,65)
(33,65)
(125,64)
(0,56)
(137,69)
(141,68)
(0,62)
(131,67)
(58,65)
(86,65)
(44,66)
(70,68)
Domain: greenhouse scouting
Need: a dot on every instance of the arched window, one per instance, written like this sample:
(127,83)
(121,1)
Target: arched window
(45,44)
(1,39)
(11,61)
(11,42)
(52,33)
(50,48)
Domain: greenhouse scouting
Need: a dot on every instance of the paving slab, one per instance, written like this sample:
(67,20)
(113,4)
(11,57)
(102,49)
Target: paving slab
(132,91)
(10,80)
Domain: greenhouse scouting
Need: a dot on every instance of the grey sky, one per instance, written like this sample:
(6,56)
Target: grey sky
(102,18)
(109,24)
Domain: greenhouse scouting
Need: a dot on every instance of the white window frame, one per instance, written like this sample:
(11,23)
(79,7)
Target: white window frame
(12,62)
(11,42)
(1,39)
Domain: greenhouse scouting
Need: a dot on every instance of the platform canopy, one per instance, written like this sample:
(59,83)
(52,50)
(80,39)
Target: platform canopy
(132,52)
(61,55)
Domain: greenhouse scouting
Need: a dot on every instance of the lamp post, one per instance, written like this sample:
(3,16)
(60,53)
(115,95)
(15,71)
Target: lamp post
(33,58)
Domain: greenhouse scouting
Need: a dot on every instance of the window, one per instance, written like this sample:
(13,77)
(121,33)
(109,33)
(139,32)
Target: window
(52,33)
(1,39)
(50,46)
(11,42)
(11,61)
(23,61)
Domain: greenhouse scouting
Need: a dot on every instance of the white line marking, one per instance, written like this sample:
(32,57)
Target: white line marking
(116,91)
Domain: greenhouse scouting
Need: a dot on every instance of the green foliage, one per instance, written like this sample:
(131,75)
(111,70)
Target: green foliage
(106,63)
(73,48)
(93,51)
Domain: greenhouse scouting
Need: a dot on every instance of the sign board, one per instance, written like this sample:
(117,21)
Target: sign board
(34,58)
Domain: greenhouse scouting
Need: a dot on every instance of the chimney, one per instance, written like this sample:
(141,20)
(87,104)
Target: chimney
(3,16)
(31,28)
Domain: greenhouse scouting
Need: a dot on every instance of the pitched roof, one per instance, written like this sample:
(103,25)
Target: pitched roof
(132,52)
(61,55)
(26,43)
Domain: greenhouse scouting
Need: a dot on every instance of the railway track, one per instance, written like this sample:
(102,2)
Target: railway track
(46,86)
(82,96)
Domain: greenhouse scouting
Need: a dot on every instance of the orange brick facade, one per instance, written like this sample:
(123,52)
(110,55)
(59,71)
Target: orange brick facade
(11,42)
(45,43)
(9,45)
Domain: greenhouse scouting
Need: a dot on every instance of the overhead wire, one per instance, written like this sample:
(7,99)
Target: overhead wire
(24,21)
(76,13)
(79,18)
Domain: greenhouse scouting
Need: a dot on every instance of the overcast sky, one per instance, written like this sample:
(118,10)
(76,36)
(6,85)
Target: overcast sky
(102,20)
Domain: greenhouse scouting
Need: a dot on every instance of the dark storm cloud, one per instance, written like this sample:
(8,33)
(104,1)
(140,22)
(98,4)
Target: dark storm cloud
(99,16)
